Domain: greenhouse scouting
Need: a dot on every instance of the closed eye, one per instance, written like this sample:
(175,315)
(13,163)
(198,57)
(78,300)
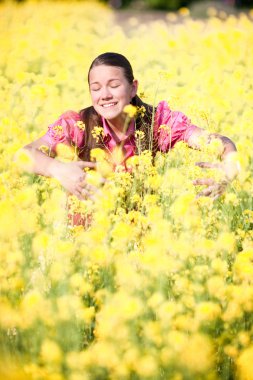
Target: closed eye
(114,83)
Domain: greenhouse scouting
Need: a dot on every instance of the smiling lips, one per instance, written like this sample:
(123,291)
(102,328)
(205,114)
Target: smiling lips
(107,105)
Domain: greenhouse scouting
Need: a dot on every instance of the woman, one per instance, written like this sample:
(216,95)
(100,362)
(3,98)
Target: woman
(113,87)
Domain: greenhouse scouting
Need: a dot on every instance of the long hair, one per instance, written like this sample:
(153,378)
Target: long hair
(91,118)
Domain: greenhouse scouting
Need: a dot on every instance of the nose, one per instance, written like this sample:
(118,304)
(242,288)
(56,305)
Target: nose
(106,94)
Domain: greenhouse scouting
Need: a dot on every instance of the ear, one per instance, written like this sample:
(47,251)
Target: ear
(134,87)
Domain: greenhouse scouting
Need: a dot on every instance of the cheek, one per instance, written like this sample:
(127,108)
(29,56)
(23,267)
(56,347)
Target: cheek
(125,96)
(94,98)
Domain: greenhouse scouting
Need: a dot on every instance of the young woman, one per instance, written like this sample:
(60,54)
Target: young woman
(112,87)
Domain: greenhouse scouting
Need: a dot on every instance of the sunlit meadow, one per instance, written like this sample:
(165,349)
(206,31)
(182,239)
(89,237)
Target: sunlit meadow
(159,285)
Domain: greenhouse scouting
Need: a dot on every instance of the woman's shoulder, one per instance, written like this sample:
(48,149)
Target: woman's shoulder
(163,112)
(69,127)
(70,114)
(163,103)
(162,106)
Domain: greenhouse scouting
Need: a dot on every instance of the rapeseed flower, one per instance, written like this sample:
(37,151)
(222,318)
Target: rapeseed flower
(130,110)
(159,283)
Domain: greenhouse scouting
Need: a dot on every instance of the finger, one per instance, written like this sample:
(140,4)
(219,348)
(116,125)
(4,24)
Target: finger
(88,187)
(219,191)
(79,188)
(86,164)
(81,178)
(203,181)
(86,194)
(207,165)
(101,181)
(207,192)
(78,194)
(91,188)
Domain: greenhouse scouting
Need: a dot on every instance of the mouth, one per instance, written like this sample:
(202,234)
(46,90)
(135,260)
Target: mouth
(108,105)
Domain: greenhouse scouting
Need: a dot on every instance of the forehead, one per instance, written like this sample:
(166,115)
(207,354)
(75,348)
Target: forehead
(104,73)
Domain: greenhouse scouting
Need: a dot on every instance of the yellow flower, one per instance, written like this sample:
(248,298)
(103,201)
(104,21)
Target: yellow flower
(233,311)
(80,124)
(220,266)
(94,178)
(98,154)
(231,351)
(184,11)
(133,161)
(45,149)
(121,234)
(11,370)
(198,354)
(216,286)
(139,135)
(166,128)
(152,331)
(8,317)
(51,352)
(147,366)
(248,214)
(24,160)
(207,311)
(117,156)
(88,314)
(231,198)
(244,338)
(69,306)
(243,266)
(58,130)
(66,153)
(130,110)
(244,364)
(104,168)
(97,133)
(141,110)
(34,306)
(226,241)
(182,205)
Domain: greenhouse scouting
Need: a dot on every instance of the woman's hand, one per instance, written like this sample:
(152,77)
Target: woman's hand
(71,175)
(214,189)
(229,166)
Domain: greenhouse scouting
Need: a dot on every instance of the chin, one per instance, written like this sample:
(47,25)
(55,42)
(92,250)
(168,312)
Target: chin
(109,114)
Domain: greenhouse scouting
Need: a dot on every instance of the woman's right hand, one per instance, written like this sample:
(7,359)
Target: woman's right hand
(71,175)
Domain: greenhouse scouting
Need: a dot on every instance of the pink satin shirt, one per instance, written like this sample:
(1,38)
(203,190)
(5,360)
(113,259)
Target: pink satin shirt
(169,128)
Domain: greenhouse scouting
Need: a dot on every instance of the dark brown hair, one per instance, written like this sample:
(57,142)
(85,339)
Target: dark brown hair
(91,118)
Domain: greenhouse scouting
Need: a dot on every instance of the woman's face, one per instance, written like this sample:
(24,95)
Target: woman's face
(110,91)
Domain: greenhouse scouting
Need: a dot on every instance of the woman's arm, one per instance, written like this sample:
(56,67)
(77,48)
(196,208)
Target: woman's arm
(70,174)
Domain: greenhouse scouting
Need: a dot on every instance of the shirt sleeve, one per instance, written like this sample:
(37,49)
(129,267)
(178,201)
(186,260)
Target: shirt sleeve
(171,127)
(67,129)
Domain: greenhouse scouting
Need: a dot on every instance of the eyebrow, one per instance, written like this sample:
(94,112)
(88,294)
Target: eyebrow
(110,80)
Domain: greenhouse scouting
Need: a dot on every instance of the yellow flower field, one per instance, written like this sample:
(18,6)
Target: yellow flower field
(160,285)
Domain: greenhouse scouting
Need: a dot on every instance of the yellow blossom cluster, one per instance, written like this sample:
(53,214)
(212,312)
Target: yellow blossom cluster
(158,285)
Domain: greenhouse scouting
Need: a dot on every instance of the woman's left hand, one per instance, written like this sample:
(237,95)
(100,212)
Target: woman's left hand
(214,189)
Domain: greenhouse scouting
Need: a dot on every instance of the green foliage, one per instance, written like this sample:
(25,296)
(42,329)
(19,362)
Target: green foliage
(167,4)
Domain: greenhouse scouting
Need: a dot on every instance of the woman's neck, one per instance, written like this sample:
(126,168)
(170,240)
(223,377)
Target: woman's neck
(119,126)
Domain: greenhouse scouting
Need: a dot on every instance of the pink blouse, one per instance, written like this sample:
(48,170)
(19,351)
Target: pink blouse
(169,128)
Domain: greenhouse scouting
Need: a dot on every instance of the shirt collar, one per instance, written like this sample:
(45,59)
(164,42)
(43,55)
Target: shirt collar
(108,131)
